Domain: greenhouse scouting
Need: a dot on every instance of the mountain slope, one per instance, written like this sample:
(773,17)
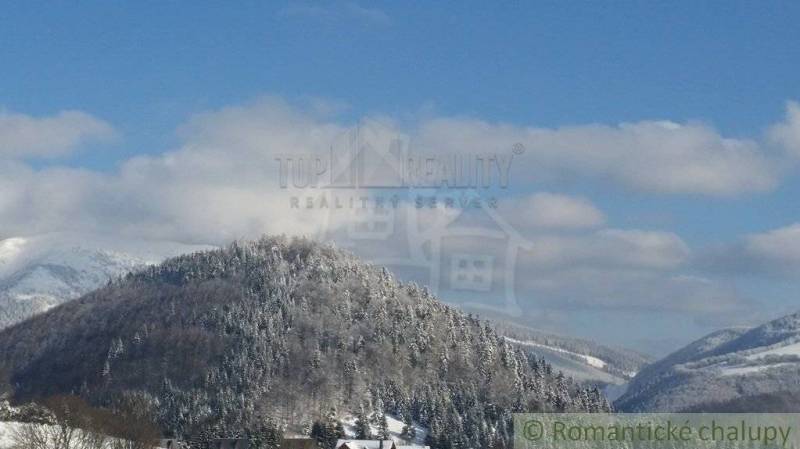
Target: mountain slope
(722,371)
(39,272)
(285,331)
(587,362)
(584,360)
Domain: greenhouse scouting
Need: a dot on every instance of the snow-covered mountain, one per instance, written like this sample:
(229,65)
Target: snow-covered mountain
(721,369)
(42,271)
(587,362)
(289,332)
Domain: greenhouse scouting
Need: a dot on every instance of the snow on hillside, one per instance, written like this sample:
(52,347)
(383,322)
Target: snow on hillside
(749,370)
(724,366)
(6,429)
(42,271)
(71,248)
(790,349)
(591,361)
(395,430)
(760,360)
(581,367)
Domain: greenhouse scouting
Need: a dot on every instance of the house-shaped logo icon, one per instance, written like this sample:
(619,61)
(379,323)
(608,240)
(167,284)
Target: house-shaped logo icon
(462,260)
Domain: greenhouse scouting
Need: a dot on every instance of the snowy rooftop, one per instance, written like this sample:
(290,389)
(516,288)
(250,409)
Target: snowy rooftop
(365,444)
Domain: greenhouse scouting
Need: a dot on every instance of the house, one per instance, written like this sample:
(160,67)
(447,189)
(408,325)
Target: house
(229,443)
(365,444)
(299,443)
(171,444)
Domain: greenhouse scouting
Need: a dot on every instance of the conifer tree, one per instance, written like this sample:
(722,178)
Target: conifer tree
(362,429)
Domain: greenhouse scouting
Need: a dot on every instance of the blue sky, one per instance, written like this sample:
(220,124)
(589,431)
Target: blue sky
(146,65)
(146,69)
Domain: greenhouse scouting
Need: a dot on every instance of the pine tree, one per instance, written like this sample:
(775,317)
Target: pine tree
(362,428)
(265,435)
(409,430)
(383,427)
(327,432)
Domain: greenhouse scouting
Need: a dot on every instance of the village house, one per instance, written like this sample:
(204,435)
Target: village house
(171,444)
(374,444)
(365,444)
(229,443)
(299,443)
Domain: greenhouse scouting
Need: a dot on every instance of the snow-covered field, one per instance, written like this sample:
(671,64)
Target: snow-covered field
(395,430)
(6,430)
(591,361)
(790,349)
(581,367)
(756,363)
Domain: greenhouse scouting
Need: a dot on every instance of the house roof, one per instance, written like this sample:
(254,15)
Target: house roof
(299,443)
(171,444)
(365,444)
(230,443)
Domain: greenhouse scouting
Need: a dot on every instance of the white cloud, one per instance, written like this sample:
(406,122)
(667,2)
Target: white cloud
(599,288)
(555,211)
(583,269)
(621,248)
(663,157)
(222,184)
(775,253)
(779,246)
(24,136)
(787,133)
(622,269)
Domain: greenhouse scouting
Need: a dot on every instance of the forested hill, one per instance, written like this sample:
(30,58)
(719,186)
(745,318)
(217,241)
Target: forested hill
(282,330)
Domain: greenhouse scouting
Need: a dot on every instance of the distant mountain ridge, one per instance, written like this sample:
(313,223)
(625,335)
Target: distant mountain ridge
(722,371)
(43,271)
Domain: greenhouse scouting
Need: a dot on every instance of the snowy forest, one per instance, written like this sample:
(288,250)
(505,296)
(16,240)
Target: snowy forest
(283,335)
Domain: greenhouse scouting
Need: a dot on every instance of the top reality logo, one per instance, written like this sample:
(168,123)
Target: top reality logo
(411,170)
